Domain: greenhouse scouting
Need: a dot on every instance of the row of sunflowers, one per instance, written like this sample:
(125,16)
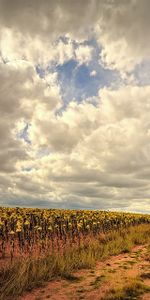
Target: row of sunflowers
(27,230)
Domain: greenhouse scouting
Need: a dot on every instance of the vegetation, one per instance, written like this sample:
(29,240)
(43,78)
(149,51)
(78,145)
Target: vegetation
(131,291)
(41,245)
(37,231)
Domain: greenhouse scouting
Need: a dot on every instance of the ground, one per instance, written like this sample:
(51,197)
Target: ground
(102,281)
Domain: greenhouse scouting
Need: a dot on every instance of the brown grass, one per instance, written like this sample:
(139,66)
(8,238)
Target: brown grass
(27,273)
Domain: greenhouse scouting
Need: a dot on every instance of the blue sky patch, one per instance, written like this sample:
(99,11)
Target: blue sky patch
(76,81)
(23,134)
(81,81)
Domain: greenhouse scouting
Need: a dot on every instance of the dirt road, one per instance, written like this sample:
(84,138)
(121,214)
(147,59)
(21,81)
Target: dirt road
(98,283)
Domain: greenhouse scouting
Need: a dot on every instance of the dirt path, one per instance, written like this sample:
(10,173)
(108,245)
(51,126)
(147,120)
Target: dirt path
(97,283)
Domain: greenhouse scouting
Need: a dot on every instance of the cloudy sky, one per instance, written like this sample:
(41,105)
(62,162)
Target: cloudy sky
(75,104)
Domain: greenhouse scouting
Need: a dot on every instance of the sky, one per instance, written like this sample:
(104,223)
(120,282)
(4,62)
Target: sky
(75,104)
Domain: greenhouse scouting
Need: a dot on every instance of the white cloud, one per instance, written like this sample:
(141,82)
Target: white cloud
(21,94)
(98,155)
(51,18)
(26,27)
(84,54)
(93,73)
(123,33)
(90,156)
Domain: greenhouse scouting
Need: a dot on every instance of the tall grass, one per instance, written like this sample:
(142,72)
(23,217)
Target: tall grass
(27,273)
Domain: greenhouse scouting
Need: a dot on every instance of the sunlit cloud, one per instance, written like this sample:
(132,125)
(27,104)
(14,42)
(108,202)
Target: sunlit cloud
(74,104)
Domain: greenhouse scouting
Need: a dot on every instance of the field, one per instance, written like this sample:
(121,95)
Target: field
(39,245)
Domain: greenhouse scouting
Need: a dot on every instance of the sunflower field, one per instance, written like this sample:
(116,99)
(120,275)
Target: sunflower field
(34,232)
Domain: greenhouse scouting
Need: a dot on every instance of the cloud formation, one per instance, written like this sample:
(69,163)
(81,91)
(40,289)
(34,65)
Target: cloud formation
(88,154)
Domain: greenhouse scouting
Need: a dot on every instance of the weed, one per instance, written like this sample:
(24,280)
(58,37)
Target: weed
(130,291)
(71,277)
(27,273)
(145,275)
(96,283)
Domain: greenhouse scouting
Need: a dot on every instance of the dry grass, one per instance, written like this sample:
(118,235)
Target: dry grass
(28,273)
(130,291)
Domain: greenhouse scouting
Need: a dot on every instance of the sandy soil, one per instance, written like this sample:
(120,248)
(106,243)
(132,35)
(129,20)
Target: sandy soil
(98,282)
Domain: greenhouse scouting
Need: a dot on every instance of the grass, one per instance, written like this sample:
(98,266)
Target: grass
(130,291)
(81,290)
(131,262)
(72,277)
(147,256)
(112,271)
(97,282)
(27,273)
(145,275)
